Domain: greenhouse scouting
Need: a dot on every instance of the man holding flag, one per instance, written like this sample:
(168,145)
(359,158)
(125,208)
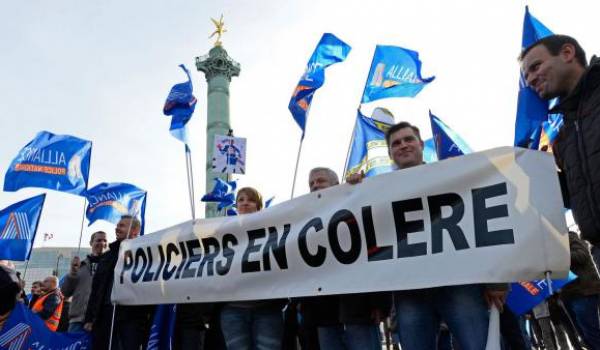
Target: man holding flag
(556,66)
(419,312)
(78,283)
(131,323)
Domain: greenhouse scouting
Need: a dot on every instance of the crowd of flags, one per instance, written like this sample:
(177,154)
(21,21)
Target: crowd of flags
(62,162)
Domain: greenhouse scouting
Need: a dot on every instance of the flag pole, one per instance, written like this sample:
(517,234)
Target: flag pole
(82,222)
(190,179)
(26,266)
(297,163)
(349,149)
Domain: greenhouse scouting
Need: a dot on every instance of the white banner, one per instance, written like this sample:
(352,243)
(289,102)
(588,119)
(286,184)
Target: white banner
(493,216)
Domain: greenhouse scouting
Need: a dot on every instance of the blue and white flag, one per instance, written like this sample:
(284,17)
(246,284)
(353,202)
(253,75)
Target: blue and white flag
(369,151)
(532,110)
(162,331)
(19,223)
(109,201)
(56,162)
(524,296)
(550,129)
(395,72)
(269,201)
(180,104)
(24,330)
(447,143)
(223,193)
(330,50)
(429,151)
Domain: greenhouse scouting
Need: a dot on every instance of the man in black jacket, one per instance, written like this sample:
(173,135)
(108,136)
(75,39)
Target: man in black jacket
(348,321)
(132,323)
(556,66)
(582,295)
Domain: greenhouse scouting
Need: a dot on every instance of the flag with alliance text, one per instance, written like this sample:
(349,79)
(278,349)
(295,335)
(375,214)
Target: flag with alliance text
(56,162)
(395,72)
(110,201)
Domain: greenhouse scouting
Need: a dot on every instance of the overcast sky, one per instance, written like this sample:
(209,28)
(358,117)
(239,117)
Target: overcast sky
(101,71)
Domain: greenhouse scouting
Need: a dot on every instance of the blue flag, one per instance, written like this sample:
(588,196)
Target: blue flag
(395,72)
(56,162)
(369,152)
(550,129)
(429,151)
(330,50)
(532,110)
(110,201)
(163,328)
(524,296)
(180,104)
(19,223)
(269,201)
(223,193)
(24,330)
(447,142)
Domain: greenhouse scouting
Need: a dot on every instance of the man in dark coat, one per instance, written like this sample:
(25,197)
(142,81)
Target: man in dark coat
(556,66)
(582,295)
(131,323)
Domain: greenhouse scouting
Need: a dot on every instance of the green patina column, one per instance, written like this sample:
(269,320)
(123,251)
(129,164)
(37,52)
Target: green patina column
(218,69)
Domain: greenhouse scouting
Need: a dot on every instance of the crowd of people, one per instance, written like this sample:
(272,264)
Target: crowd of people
(448,317)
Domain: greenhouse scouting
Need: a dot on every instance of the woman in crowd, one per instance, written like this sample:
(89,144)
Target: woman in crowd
(256,324)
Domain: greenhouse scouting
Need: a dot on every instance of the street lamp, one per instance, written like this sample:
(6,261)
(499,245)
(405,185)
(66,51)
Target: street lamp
(57,261)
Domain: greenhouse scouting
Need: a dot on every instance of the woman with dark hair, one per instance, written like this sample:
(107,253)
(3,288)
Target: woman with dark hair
(256,324)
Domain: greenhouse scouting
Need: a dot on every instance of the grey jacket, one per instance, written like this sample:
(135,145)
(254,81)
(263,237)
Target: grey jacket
(79,286)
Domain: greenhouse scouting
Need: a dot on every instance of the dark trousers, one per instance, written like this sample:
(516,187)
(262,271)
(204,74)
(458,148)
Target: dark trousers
(101,329)
(128,334)
(190,339)
(512,328)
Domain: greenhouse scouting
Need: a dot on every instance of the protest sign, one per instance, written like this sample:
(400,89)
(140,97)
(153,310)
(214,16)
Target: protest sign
(486,217)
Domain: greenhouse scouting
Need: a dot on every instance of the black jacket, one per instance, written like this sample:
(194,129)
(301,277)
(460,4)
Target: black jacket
(102,288)
(577,151)
(588,282)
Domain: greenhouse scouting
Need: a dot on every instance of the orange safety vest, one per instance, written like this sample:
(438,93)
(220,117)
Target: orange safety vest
(54,319)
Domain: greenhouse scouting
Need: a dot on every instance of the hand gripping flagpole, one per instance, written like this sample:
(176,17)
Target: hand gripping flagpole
(82,222)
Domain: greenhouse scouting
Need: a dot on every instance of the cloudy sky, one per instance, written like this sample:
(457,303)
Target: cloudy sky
(101,71)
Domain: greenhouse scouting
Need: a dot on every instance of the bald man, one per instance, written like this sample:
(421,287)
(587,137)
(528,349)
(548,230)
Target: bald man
(50,304)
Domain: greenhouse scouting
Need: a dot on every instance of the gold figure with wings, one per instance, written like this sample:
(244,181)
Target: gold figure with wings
(220,29)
